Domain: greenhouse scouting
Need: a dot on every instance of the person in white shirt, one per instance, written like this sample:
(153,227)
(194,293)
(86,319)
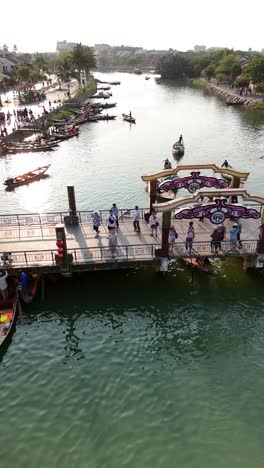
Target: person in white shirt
(3,284)
(136,218)
(153,222)
(114,210)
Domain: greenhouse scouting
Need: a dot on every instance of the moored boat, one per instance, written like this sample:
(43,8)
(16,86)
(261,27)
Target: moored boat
(28,293)
(27,177)
(128,118)
(8,313)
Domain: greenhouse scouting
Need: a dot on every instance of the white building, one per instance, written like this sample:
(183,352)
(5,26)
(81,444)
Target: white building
(64,46)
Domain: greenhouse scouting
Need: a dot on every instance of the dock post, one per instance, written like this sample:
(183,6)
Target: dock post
(62,258)
(72,218)
(42,289)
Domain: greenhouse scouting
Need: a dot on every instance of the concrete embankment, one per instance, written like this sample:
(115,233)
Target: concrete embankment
(231,97)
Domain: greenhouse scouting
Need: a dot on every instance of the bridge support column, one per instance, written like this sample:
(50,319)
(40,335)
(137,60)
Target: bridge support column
(152,198)
(72,218)
(250,262)
(165,229)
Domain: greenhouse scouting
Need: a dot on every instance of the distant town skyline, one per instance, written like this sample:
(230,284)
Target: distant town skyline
(178,26)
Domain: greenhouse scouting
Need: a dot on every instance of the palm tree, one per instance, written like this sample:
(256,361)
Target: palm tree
(64,67)
(83,60)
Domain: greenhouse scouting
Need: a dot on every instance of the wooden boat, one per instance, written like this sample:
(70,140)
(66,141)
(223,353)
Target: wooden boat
(178,148)
(201,264)
(128,118)
(108,105)
(106,117)
(33,286)
(30,148)
(8,313)
(65,136)
(27,177)
(115,83)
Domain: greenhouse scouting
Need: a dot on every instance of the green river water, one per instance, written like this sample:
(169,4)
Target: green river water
(136,369)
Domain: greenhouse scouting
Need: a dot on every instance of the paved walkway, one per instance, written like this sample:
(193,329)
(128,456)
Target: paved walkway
(52,94)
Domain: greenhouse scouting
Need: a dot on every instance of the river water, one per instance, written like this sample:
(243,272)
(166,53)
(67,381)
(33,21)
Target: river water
(136,369)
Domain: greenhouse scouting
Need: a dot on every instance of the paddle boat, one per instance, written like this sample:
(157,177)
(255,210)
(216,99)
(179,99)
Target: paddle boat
(129,118)
(178,148)
(26,178)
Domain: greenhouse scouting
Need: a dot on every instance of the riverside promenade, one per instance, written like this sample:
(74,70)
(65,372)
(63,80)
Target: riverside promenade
(232,95)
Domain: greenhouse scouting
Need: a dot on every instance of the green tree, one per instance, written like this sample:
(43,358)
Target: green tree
(22,73)
(229,65)
(175,67)
(209,71)
(64,67)
(242,81)
(41,62)
(221,77)
(260,88)
(83,60)
(255,69)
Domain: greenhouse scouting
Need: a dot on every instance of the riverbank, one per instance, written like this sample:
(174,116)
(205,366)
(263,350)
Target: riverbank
(253,102)
(57,95)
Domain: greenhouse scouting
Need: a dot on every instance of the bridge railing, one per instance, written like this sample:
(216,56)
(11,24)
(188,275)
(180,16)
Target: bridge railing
(42,258)
(52,218)
(205,248)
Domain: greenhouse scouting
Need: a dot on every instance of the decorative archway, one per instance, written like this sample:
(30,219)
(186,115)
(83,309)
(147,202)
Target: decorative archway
(236,178)
(217,211)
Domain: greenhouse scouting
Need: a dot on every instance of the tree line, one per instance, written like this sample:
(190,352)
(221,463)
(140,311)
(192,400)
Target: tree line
(75,64)
(226,66)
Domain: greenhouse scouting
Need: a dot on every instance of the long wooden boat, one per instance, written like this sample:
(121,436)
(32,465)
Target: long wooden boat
(27,177)
(106,117)
(128,118)
(8,314)
(65,136)
(178,148)
(30,149)
(33,286)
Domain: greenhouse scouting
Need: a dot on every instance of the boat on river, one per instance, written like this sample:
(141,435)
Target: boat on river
(30,148)
(178,148)
(106,117)
(32,288)
(65,135)
(128,118)
(8,313)
(27,177)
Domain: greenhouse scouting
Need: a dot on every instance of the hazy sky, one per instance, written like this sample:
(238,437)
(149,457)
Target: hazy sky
(37,26)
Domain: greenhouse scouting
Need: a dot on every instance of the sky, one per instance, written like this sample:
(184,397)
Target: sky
(37,26)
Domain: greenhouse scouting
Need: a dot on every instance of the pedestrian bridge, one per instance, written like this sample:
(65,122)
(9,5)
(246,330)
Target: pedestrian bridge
(31,239)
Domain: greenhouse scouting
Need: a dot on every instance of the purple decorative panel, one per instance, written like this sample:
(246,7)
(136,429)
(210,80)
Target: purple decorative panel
(192,183)
(217,212)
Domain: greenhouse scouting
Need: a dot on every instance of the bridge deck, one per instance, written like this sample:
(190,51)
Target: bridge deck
(35,245)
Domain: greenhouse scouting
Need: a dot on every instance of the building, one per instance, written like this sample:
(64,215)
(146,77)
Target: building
(64,46)
(199,48)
